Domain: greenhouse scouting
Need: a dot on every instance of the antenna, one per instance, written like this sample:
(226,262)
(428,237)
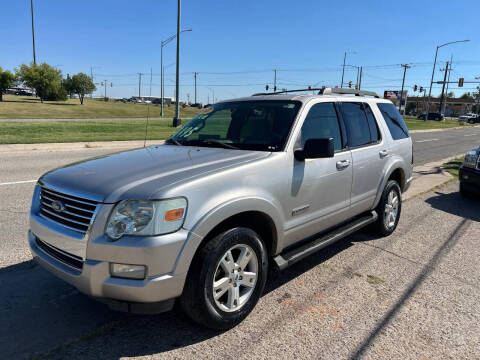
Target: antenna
(148,110)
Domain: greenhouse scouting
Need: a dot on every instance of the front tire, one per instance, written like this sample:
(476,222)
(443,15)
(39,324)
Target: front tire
(389,209)
(226,279)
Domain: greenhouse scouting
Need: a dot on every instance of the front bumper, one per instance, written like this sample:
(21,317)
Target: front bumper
(470,179)
(94,279)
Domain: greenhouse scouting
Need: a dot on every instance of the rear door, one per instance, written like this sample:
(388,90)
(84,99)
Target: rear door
(369,152)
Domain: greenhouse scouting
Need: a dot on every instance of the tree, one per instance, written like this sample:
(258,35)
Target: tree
(450,94)
(82,84)
(46,80)
(467,95)
(68,86)
(6,80)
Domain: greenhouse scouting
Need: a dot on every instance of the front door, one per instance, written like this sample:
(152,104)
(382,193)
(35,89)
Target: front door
(320,194)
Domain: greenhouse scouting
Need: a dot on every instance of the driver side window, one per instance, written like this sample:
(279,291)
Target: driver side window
(322,122)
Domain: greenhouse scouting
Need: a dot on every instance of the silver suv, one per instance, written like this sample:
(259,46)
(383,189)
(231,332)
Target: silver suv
(248,183)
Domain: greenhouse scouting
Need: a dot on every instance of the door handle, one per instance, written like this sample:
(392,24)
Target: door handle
(343,164)
(383,153)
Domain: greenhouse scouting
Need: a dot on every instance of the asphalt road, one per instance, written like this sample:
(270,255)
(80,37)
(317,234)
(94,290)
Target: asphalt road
(436,145)
(412,295)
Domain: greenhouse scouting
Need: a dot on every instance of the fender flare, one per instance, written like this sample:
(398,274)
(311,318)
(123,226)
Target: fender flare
(393,166)
(219,214)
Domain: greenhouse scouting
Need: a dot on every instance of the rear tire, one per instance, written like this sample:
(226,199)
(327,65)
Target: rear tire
(464,192)
(222,287)
(389,209)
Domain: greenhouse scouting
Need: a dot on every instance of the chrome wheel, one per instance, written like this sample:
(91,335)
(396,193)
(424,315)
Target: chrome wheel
(391,209)
(235,278)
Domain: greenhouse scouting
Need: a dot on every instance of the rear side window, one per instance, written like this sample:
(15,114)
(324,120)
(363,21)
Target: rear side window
(372,124)
(322,122)
(356,123)
(394,121)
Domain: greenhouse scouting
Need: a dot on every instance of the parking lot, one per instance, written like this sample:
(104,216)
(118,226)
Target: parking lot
(411,295)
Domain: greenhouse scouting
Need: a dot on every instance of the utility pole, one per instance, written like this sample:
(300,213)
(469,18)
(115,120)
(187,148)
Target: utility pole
(176,120)
(448,80)
(195,77)
(343,68)
(360,81)
(275,80)
(358,76)
(405,67)
(91,77)
(105,87)
(139,83)
(33,34)
(443,88)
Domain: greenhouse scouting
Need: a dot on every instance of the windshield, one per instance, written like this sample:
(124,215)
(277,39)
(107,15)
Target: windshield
(246,125)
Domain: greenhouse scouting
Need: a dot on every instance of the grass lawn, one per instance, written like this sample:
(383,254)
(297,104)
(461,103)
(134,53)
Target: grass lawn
(29,107)
(415,124)
(453,166)
(79,131)
(24,107)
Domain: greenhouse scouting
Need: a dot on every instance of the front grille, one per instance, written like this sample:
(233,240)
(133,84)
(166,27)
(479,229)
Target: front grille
(70,211)
(62,256)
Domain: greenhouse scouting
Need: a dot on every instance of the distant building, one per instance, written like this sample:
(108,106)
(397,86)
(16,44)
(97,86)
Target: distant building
(453,106)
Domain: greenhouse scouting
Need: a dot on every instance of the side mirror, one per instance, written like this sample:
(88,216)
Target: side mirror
(315,149)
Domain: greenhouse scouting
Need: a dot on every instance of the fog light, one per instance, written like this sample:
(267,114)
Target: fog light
(128,271)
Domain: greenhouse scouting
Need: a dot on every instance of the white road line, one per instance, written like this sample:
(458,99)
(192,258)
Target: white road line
(420,141)
(18,182)
(470,135)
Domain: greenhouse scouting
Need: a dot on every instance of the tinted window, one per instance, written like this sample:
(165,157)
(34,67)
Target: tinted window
(322,122)
(394,121)
(248,125)
(372,124)
(356,123)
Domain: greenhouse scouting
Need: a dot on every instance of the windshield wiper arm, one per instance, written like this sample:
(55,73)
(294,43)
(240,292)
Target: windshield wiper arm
(216,142)
(173,142)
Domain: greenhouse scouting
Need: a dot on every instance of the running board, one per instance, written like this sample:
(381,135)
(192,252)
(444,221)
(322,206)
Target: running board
(292,256)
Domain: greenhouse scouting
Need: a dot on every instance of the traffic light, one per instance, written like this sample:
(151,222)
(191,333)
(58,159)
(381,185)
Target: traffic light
(266,87)
(421,88)
(460,82)
(350,84)
(309,87)
(415,88)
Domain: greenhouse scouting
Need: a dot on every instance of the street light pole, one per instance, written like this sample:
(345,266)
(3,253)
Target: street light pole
(162,73)
(33,34)
(433,73)
(176,120)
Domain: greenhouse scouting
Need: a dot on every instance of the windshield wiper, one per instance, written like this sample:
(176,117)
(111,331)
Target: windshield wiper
(172,141)
(216,142)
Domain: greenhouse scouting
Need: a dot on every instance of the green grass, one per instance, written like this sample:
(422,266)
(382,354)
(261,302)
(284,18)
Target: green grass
(453,166)
(79,131)
(29,107)
(23,107)
(415,124)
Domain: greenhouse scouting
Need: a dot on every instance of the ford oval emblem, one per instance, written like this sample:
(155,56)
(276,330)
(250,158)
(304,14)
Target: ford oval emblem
(57,206)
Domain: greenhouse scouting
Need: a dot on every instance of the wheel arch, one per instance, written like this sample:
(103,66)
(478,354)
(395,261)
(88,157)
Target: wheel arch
(261,216)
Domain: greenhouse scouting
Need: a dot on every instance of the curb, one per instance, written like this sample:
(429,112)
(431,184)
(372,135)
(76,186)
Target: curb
(77,146)
(428,176)
(446,129)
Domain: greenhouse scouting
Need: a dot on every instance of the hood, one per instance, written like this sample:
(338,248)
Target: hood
(137,174)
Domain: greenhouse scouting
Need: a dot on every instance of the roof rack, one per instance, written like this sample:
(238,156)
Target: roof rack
(350,92)
(289,91)
(325,91)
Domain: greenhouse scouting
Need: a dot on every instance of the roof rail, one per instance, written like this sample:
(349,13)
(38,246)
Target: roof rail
(355,92)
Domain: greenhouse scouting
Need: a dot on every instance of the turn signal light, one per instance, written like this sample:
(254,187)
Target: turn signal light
(175,214)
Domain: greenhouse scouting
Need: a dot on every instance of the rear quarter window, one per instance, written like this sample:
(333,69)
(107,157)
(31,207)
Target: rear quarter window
(396,124)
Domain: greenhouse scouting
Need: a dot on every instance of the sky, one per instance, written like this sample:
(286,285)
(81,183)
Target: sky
(236,45)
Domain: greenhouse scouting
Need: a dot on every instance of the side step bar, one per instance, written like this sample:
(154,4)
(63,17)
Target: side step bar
(292,256)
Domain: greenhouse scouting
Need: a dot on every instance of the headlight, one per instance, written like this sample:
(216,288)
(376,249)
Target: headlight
(146,218)
(470,159)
